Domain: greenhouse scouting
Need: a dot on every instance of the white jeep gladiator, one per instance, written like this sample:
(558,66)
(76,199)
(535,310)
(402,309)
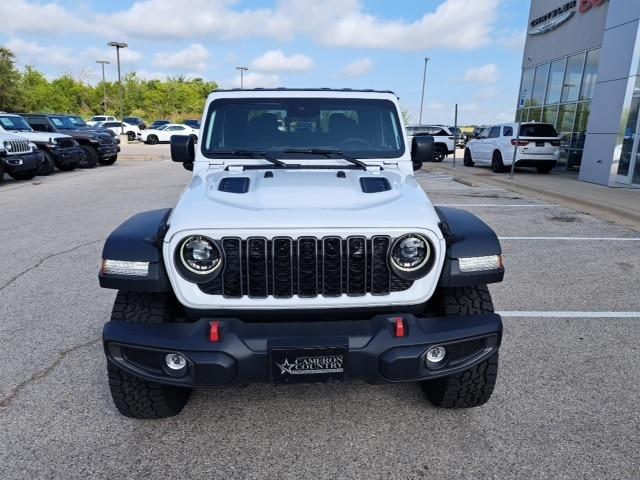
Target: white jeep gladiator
(302,250)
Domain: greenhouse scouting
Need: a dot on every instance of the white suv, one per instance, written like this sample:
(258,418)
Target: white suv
(443,137)
(538,146)
(93,121)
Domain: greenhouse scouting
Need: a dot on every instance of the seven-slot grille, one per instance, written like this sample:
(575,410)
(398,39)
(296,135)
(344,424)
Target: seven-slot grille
(282,267)
(64,142)
(17,146)
(107,140)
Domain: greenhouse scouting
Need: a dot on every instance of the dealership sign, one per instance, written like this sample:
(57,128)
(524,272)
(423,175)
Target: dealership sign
(556,17)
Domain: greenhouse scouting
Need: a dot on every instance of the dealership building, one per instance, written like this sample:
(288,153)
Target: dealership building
(580,73)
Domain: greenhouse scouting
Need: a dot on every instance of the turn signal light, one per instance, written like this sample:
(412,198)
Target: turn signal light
(215,332)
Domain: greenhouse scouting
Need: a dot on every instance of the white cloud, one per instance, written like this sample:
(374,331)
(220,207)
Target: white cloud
(276,61)
(357,68)
(485,74)
(454,24)
(32,53)
(194,57)
(258,80)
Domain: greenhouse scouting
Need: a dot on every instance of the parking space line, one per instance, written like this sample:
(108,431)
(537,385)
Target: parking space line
(596,239)
(473,189)
(465,205)
(568,314)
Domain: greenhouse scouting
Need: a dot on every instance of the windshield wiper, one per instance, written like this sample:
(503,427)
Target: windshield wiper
(327,153)
(255,154)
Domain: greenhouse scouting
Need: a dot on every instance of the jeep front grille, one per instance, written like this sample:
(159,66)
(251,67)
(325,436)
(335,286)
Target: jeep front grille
(17,146)
(282,267)
(107,140)
(64,142)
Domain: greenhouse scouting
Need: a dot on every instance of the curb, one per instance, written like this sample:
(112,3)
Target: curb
(583,205)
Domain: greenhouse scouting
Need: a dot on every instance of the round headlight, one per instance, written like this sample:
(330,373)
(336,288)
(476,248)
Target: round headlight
(410,252)
(200,255)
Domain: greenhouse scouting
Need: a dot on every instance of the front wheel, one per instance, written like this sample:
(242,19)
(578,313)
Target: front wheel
(472,387)
(439,153)
(132,396)
(131,136)
(152,140)
(47,165)
(468,161)
(89,158)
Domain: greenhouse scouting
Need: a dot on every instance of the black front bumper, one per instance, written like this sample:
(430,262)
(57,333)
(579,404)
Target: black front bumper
(66,156)
(242,356)
(24,162)
(107,151)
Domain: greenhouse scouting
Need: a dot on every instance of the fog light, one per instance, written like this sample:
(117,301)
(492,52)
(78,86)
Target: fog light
(435,355)
(175,362)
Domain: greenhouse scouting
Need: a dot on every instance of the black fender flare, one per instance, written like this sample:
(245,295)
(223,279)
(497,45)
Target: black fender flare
(138,239)
(467,236)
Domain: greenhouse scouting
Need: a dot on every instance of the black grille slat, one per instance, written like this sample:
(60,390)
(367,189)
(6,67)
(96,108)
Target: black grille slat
(257,269)
(380,273)
(232,275)
(282,260)
(356,266)
(332,266)
(307,267)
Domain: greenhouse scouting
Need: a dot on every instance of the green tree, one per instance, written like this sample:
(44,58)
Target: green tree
(9,81)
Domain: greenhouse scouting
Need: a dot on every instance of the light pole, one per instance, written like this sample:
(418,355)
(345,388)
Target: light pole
(424,79)
(118,46)
(242,70)
(104,84)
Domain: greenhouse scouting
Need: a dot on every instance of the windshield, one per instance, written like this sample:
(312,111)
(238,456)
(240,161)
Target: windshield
(538,130)
(14,123)
(78,121)
(364,128)
(62,122)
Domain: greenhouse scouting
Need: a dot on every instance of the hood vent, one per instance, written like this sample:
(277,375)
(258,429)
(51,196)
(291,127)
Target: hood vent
(234,185)
(374,184)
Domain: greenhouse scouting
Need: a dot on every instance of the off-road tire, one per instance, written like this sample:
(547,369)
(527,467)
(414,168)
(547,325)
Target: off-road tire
(23,175)
(133,397)
(152,140)
(468,161)
(47,165)
(544,168)
(472,387)
(90,157)
(439,152)
(108,160)
(497,165)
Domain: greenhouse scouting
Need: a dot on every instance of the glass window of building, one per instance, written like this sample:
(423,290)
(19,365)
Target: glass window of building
(526,87)
(549,114)
(580,127)
(628,138)
(590,74)
(539,85)
(556,77)
(572,78)
(566,117)
(535,114)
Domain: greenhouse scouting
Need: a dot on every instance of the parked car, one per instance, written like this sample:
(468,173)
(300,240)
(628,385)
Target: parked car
(80,124)
(121,128)
(137,121)
(460,136)
(18,157)
(193,124)
(443,138)
(537,146)
(320,262)
(159,123)
(100,118)
(58,150)
(165,132)
(98,146)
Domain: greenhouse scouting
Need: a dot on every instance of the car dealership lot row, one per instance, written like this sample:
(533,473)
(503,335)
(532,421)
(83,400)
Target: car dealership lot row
(565,405)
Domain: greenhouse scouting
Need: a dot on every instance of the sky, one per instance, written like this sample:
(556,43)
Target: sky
(475,46)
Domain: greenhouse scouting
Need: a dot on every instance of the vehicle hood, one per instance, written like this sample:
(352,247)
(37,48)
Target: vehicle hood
(86,134)
(302,198)
(41,136)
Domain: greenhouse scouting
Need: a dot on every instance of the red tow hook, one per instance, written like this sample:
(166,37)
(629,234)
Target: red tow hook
(400,329)
(215,332)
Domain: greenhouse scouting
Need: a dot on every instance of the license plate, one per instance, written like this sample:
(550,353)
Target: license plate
(308,364)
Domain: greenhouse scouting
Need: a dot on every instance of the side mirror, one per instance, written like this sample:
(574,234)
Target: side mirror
(421,150)
(183,150)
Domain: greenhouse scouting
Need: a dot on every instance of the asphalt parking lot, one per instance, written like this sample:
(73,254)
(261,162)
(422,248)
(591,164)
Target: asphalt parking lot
(566,404)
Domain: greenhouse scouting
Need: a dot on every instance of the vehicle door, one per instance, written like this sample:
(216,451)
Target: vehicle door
(493,142)
(168,132)
(478,146)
